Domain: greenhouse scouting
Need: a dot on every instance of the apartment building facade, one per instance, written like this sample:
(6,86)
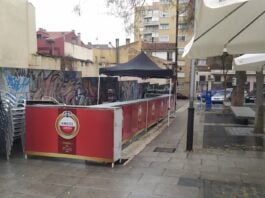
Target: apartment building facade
(162,35)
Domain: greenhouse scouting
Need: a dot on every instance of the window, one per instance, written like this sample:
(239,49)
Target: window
(181,63)
(181,38)
(182,26)
(164,14)
(180,50)
(164,26)
(202,78)
(164,38)
(217,78)
(183,1)
(202,62)
(164,1)
(169,56)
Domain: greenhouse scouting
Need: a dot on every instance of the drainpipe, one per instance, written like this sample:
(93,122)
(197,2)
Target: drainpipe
(117,52)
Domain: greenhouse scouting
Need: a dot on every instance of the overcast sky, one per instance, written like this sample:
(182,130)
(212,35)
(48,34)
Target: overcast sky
(95,25)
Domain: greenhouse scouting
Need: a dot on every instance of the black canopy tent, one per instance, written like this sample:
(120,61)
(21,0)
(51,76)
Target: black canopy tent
(140,66)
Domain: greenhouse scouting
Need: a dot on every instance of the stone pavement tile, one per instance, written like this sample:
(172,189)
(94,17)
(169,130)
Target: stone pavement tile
(180,155)
(217,176)
(143,195)
(148,195)
(218,189)
(231,170)
(248,179)
(102,182)
(206,168)
(177,191)
(80,192)
(219,163)
(9,194)
(73,171)
(140,163)
(167,165)
(186,161)
(163,154)
(9,170)
(183,181)
(32,175)
(6,183)
(153,159)
(202,156)
(115,175)
(249,166)
(59,179)
(37,188)
(147,171)
(195,174)
(126,185)
(255,154)
(254,173)
(158,180)
(149,153)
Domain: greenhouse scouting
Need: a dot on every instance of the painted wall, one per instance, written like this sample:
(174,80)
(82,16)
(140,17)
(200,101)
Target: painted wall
(36,84)
(17,35)
(78,52)
(44,62)
(67,87)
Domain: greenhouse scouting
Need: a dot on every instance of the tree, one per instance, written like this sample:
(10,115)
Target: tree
(259,118)
(223,63)
(238,91)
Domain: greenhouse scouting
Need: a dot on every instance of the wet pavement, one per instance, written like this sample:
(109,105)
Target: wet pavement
(161,170)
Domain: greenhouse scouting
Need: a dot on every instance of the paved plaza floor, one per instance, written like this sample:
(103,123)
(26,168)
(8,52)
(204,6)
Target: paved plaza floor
(219,166)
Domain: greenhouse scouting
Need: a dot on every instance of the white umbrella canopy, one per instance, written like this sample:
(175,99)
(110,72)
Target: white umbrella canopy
(249,62)
(235,25)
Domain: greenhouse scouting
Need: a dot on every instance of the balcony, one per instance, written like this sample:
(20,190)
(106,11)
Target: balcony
(151,23)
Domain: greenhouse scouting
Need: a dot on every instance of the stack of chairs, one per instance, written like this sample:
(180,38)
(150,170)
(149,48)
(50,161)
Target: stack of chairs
(12,122)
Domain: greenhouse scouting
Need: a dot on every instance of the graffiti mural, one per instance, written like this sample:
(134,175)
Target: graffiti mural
(68,87)
(56,84)
(87,94)
(15,80)
(109,89)
(36,84)
(129,90)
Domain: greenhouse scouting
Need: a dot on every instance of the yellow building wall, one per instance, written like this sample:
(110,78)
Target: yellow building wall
(77,51)
(43,62)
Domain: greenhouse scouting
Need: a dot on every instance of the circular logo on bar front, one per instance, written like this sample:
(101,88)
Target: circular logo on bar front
(67,125)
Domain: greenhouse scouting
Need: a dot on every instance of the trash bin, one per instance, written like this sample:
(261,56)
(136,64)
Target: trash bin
(208,101)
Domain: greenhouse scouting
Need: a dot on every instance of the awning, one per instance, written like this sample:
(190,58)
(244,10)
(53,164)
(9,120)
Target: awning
(140,66)
(238,26)
(249,62)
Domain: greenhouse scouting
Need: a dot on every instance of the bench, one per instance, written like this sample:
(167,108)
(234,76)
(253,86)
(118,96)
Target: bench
(243,114)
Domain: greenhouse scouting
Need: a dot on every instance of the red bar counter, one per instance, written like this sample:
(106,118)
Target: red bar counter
(94,133)
(74,132)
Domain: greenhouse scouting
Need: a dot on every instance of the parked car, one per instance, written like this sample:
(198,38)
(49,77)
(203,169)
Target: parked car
(202,95)
(251,97)
(220,96)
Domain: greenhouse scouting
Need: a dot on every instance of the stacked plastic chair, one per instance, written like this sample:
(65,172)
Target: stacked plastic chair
(12,122)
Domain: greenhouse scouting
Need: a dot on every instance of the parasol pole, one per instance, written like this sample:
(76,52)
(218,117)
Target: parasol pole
(98,89)
(169,101)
